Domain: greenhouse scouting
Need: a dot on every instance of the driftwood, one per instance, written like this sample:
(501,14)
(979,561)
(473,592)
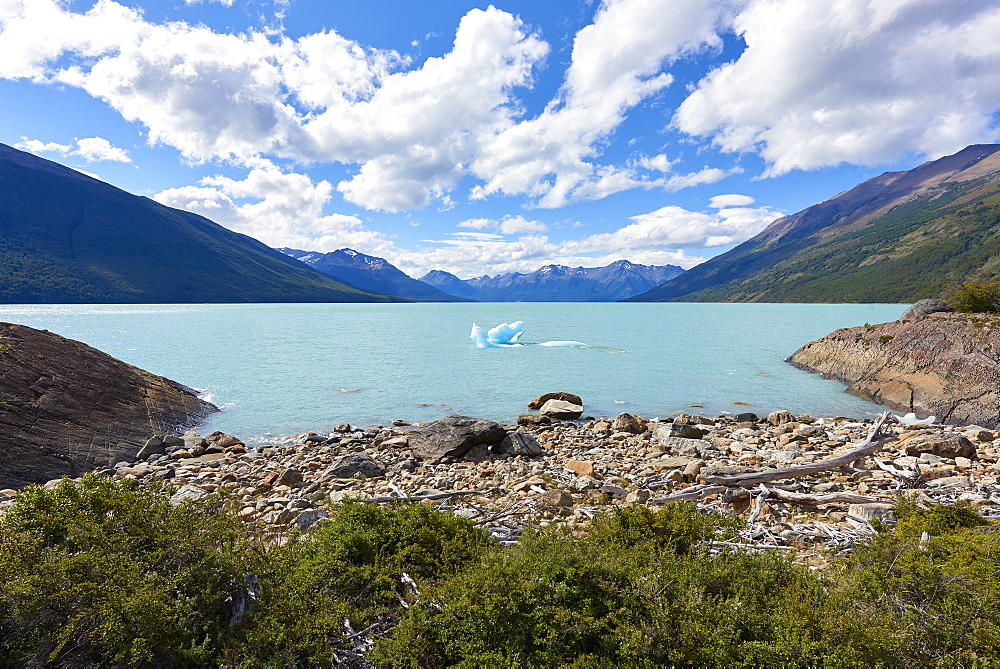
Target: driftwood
(912,479)
(827,498)
(689,494)
(868,446)
(421,498)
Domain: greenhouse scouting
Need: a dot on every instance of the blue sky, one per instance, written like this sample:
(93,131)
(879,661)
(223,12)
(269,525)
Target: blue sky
(491,138)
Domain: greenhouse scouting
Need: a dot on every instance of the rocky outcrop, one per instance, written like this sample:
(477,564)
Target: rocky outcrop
(945,365)
(923,308)
(67,408)
(452,437)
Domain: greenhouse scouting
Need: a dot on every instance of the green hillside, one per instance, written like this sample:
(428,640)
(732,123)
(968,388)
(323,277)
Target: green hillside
(68,238)
(878,242)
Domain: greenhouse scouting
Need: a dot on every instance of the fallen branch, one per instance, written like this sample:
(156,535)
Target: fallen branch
(913,479)
(759,506)
(816,500)
(868,446)
(421,498)
(689,494)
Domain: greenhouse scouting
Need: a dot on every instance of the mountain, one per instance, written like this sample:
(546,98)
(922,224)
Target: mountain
(68,238)
(559,283)
(370,274)
(898,237)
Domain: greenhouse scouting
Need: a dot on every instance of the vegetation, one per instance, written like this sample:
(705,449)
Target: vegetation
(100,572)
(67,238)
(976,297)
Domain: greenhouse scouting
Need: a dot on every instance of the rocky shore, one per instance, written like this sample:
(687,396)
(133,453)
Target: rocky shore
(548,470)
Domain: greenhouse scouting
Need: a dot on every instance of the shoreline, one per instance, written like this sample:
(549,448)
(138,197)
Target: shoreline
(588,467)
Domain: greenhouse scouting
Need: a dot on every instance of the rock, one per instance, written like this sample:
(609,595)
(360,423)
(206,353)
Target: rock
(626,422)
(674,430)
(944,365)
(223,440)
(305,520)
(453,436)
(745,418)
(539,401)
(521,443)
(673,462)
(924,307)
(185,493)
(693,468)
(692,419)
(945,445)
(561,409)
(528,419)
(637,497)
(153,446)
(68,408)
(681,446)
(780,417)
(172,444)
(354,464)
(555,498)
(580,467)
(884,513)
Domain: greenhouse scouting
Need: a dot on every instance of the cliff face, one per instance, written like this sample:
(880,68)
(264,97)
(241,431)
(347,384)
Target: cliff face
(66,408)
(945,365)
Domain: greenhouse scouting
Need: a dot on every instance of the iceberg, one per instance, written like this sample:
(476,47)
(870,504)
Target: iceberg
(508,335)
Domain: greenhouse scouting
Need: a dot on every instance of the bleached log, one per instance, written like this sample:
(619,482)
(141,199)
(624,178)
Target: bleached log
(689,494)
(867,447)
(818,499)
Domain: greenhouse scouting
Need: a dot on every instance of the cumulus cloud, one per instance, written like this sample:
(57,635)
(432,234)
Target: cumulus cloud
(91,149)
(730,200)
(616,63)
(278,208)
(508,225)
(853,81)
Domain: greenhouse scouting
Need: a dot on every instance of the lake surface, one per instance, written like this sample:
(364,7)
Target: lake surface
(280,369)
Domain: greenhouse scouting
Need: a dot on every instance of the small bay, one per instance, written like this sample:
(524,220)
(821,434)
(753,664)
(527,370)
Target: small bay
(279,369)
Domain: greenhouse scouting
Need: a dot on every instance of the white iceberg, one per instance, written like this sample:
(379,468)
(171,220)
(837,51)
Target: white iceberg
(911,419)
(508,335)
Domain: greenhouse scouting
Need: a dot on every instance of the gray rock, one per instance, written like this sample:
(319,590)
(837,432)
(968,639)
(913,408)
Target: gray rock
(305,520)
(172,444)
(521,443)
(187,492)
(626,422)
(692,419)
(924,307)
(745,418)
(193,441)
(539,401)
(674,430)
(561,409)
(555,498)
(884,513)
(945,445)
(680,446)
(453,436)
(153,446)
(353,464)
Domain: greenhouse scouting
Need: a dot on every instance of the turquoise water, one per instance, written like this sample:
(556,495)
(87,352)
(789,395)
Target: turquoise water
(279,369)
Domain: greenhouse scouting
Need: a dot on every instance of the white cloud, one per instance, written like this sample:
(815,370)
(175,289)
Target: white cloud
(616,63)
(730,200)
(37,146)
(508,225)
(91,149)
(674,227)
(278,208)
(225,3)
(832,81)
(95,149)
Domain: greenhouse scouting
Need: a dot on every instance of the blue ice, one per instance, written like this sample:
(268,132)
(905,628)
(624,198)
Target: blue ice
(507,335)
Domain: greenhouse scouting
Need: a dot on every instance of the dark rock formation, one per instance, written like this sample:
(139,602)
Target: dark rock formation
(67,408)
(542,399)
(945,365)
(453,437)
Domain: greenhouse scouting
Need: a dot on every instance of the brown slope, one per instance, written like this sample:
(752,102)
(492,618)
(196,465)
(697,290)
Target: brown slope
(66,408)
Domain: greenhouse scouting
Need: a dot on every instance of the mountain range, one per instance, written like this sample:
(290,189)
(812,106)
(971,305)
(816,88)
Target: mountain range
(558,283)
(68,238)
(899,237)
(370,274)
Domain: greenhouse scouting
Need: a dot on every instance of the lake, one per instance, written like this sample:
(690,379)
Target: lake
(280,369)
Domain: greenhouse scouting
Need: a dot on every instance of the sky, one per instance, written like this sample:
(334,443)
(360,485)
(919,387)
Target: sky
(483,139)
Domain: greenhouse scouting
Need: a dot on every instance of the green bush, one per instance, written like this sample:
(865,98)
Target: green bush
(351,568)
(975,297)
(101,572)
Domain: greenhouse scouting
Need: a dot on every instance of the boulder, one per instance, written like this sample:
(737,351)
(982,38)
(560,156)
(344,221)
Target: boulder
(555,498)
(780,417)
(676,430)
(692,419)
(521,443)
(452,437)
(580,467)
(945,445)
(355,464)
(924,307)
(67,408)
(542,399)
(535,419)
(691,448)
(153,446)
(561,409)
(223,440)
(626,422)
(186,493)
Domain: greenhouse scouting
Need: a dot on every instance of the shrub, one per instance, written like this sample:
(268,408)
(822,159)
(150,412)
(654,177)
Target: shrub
(974,297)
(101,572)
